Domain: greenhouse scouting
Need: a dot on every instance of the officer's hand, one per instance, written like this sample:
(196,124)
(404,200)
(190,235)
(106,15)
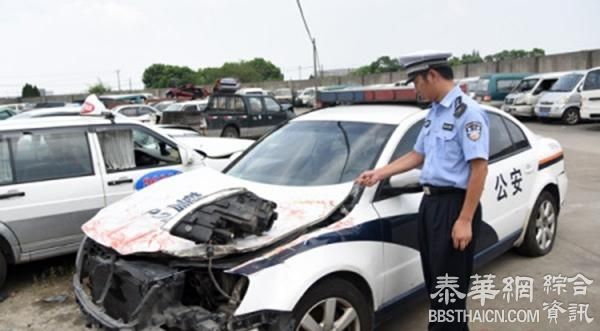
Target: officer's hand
(368,178)
(461,234)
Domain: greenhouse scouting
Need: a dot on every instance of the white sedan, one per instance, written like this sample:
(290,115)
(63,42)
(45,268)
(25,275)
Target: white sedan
(283,239)
(143,113)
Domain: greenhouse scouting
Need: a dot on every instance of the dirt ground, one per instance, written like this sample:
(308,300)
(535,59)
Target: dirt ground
(576,250)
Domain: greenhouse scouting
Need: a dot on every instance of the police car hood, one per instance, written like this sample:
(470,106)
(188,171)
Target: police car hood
(141,222)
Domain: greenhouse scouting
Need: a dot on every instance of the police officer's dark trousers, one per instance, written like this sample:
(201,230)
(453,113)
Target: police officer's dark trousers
(437,214)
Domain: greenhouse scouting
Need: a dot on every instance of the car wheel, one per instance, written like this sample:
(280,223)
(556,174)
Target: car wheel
(3,267)
(230,132)
(334,304)
(571,116)
(542,226)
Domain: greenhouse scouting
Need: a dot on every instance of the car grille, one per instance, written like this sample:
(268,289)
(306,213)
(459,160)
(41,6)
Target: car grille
(547,103)
(544,109)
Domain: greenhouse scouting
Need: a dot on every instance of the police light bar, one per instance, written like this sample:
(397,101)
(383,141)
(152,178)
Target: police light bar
(368,95)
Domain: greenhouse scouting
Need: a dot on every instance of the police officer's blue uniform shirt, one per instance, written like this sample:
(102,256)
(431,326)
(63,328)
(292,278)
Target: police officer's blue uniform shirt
(449,142)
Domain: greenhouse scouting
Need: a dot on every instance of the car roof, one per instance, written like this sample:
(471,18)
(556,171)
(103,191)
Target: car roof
(374,113)
(548,75)
(194,102)
(506,75)
(384,114)
(59,122)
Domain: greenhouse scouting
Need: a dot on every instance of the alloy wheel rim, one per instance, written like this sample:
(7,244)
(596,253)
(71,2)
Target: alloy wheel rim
(545,225)
(331,314)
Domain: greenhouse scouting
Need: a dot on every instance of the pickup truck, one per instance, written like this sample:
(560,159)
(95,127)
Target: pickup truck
(234,115)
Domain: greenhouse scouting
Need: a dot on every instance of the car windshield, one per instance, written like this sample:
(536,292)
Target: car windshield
(525,85)
(310,153)
(174,107)
(481,86)
(566,83)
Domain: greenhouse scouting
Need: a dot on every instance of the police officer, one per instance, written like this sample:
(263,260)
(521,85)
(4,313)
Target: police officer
(452,149)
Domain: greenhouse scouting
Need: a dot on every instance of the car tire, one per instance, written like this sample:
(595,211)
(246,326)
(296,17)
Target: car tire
(571,116)
(542,227)
(344,299)
(3,269)
(230,132)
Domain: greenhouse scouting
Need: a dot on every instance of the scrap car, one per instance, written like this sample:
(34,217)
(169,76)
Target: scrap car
(282,238)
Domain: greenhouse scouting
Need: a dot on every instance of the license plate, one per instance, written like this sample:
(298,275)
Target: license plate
(543,114)
(544,109)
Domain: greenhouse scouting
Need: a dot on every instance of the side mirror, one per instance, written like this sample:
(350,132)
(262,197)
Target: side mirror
(287,107)
(580,88)
(186,156)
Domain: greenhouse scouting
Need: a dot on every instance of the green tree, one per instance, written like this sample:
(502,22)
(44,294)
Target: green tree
(255,70)
(474,57)
(164,75)
(266,69)
(99,88)
(30,91)
(382,64)
(514,54)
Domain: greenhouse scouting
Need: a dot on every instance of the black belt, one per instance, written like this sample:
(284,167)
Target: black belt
(439,190)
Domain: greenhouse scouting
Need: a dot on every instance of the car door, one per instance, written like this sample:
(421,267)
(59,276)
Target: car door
(256,116)
(49,187)
(511,175)
(398,216)
(590,94)
(134,157)
(274,113)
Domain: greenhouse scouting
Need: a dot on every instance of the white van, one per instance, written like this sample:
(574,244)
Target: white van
(521,100)
(590,95)
(563,100)
(58,172)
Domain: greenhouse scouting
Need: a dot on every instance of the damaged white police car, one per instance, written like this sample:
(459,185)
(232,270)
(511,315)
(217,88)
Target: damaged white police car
(282,239)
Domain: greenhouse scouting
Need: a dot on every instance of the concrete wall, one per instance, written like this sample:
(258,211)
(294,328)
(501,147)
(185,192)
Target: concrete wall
(557,62)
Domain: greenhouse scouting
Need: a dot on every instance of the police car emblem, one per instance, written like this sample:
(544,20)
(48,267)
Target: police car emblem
(473,130)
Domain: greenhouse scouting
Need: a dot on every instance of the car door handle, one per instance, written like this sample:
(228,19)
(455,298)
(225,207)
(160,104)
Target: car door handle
(120,181)
(529,168)
(12,195)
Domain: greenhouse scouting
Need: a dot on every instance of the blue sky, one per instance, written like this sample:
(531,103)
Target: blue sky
(67,45)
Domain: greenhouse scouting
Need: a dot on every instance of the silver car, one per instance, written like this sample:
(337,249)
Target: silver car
(563,100)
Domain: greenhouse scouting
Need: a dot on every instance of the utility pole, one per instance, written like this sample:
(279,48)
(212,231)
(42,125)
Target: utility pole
(119,79)
(314,49)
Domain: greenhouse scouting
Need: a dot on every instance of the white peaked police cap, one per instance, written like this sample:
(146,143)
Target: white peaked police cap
(92,106)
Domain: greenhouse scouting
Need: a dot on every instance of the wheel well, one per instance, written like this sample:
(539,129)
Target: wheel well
(553,190)
(231,126)
(6,250)
(352,277)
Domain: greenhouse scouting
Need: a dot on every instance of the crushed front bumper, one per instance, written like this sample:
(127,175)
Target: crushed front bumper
(129,294)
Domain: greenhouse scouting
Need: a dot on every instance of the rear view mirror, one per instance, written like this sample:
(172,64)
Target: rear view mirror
(186,156)
(287,107)
(580,88)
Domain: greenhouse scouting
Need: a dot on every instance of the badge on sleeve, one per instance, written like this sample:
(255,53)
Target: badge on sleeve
(473,130)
